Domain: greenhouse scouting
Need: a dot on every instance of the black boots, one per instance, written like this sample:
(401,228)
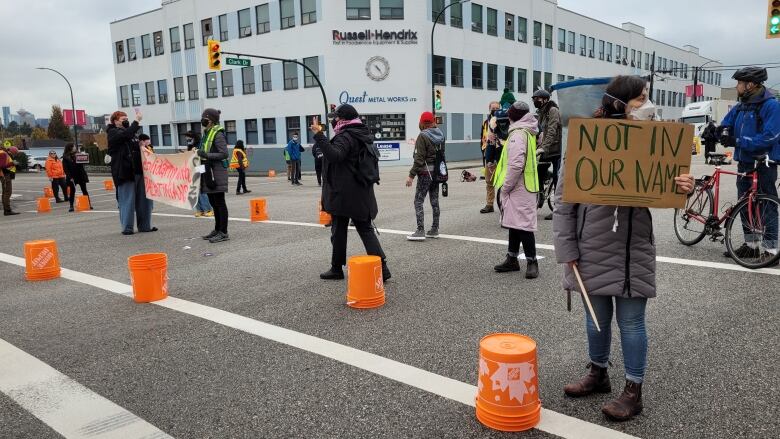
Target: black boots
(627,405)
(335,273)
(510,264)
(596,381)
(532,270)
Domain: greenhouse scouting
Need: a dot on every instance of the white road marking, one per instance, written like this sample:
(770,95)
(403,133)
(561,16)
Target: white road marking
(66,406)
(552,422)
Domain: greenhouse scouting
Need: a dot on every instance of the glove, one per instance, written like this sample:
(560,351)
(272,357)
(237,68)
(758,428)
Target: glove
(202,154)
(728,141)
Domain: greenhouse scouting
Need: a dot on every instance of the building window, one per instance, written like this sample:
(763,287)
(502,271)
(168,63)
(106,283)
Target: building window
(547,81)
(509,29)
(131,55)
(135,92)
(312,63)
(436,7)
(211,85)
(120,52)
(492,22)
(309,11)
(492,77)
(537,80)
(548,36)
(522,30)
(223,27)
(583,43)
(618,48)
(230,132)
(189,36)
(192,87)
(287,13)
(476,18)
(456,14)
(166,134)
(439,70)
(537,34)
(561,78)
(244,24)
(146,46)
(248,80)
(522,80)
(509,78)
(162,91)
(181,130)
(591,47)
(570,78)
(265,72)
(250,127)
(263,19)
(391,9)
(633,57)
(154,136)
(476,75)
(609,52)
(293,126)
(124,99)
(207,30)
(178,89)
(149,93)
(456,72)
(175,42)
(639,59)
(269,131)
(572,41)
(227,83)
(290,76)
(358,9)
(159,48)
(625,54)
(310,122)
(561,40)
(601,50)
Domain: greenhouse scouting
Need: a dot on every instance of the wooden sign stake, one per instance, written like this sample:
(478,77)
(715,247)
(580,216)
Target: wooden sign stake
(585,296)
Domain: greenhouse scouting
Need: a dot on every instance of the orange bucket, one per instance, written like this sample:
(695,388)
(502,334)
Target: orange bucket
(149,276)
(41,260)
(257,210)
(48,193)
(108,185)
(44,205)
(82,203)
(508,386)
(325,218)
(271,173)
(365,288)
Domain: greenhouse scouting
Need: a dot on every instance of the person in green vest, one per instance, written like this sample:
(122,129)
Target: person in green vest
(517,182)
(213,155)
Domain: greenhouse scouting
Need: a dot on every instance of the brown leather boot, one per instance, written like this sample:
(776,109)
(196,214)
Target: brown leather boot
(596,381)
(627,405)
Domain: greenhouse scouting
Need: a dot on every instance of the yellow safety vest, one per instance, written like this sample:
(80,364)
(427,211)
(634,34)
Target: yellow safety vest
(234,159)
(530,173)
(210,137)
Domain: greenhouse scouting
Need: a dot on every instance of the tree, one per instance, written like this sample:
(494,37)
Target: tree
(13,128)
(39,133)
(57,128)
(26,129)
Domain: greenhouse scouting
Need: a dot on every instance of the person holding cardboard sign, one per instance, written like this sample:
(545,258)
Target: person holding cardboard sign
(613,250)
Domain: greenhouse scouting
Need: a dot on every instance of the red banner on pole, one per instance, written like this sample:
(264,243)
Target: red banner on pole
(689,90)
(81,117)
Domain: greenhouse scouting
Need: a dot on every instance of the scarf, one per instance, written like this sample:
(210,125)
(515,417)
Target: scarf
(748,95)
(343,123)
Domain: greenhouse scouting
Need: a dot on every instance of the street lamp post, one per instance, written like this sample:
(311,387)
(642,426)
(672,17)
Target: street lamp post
(72,104)
(696,71)
(435,22)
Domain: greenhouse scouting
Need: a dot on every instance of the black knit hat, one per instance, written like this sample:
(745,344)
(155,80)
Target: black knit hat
(344,111)
(517,111)
(211,114)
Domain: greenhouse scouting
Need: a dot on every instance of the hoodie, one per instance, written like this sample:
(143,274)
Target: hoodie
(755,123)
(429,140)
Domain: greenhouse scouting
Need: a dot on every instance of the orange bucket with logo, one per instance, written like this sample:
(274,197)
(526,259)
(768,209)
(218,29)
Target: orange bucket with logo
(149,276)
(108,185)
(365,288)
(271,173)
(508,385)
(82,203)
(41,260)
(44,205)
(48,193)
(257,210)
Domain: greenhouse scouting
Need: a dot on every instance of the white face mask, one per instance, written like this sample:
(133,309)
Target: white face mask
(646,112)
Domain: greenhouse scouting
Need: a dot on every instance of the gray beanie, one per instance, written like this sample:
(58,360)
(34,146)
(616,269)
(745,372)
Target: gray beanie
(517,111)
(211,114)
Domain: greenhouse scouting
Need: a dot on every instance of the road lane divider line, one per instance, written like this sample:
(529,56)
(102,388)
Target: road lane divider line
(552,422)
(69,408)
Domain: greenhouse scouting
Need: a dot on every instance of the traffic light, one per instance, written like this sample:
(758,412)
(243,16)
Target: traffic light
(437,101)
(215,55)
(773,19)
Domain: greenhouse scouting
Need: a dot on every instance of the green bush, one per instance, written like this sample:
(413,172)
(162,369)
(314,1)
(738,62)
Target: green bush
(96,156)
(23,160)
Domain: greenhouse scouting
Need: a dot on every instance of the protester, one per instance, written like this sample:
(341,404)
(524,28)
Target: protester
(214,181)
(7,175)
(489,148)
(343,196)
(240,163)
(517,181)
(430,140)
(550,133)
(75,174)
(203,207)
(294,150)
(752,127)
(56,174)
(317,153)
(614,250)
(127,173)
(710,137)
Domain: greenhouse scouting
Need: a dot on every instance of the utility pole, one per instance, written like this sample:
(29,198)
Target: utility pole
(695,82)
(652,76)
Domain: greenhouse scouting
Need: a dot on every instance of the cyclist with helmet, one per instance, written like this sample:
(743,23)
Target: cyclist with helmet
(752,127)
(550,129)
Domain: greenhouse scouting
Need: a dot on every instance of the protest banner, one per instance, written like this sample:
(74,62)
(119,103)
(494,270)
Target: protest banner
(619,162)
(172,179)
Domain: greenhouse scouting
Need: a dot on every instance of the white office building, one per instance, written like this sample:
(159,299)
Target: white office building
(375,54)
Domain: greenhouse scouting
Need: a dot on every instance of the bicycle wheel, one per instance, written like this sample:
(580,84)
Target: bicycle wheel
(690,223)
(551,197)
(756,231)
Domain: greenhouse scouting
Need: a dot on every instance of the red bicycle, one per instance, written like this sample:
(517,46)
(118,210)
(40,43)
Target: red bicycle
(758,214)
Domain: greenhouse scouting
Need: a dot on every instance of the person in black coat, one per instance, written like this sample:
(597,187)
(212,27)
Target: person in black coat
(317,153)
(75,174)
(710,138)
(343,196)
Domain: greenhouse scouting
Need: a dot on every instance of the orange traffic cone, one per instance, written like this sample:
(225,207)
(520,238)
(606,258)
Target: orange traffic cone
(508,386)
(44,205)
(82,203)
(149,276)
(41,260)
(257,210)
(108,185)
(365,288)
(48,193)
(271,173)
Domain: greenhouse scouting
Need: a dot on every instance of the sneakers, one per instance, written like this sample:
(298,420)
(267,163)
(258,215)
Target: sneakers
(219,237)
(419,235)
(210,235)
(745,251)
(335,273)
(433,233)
(486,209)
(209,213)
(510,264)
(198,214)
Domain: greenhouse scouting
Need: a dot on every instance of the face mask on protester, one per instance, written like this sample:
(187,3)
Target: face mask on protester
(204,122)
(126,124)
(295,138)
(537,103)
(645,112)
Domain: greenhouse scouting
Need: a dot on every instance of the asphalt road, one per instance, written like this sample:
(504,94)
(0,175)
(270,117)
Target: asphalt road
(713,331)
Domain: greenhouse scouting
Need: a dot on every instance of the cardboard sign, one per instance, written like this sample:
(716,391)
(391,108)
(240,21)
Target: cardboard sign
(618,162)
(82,158)
(172,179)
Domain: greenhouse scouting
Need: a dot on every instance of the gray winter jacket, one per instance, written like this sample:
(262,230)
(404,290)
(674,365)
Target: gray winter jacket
(615,254)
(216,155)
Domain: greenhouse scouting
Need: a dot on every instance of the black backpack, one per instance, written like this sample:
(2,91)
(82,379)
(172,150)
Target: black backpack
(366,169)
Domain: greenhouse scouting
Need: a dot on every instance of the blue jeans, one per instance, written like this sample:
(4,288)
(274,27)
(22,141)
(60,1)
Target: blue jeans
(203,204)
(633,336)
(133,203)
(767,178)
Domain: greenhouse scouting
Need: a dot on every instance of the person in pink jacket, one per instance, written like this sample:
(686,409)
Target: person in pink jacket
(517,170)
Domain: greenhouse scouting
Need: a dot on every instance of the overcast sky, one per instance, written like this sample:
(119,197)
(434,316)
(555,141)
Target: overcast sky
(73,37)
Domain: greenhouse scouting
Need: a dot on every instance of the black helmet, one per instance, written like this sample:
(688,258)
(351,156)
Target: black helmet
(756,75)
(541,93)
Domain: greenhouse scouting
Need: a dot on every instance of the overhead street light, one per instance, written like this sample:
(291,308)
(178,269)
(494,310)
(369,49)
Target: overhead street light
(433,29)
(72,104)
